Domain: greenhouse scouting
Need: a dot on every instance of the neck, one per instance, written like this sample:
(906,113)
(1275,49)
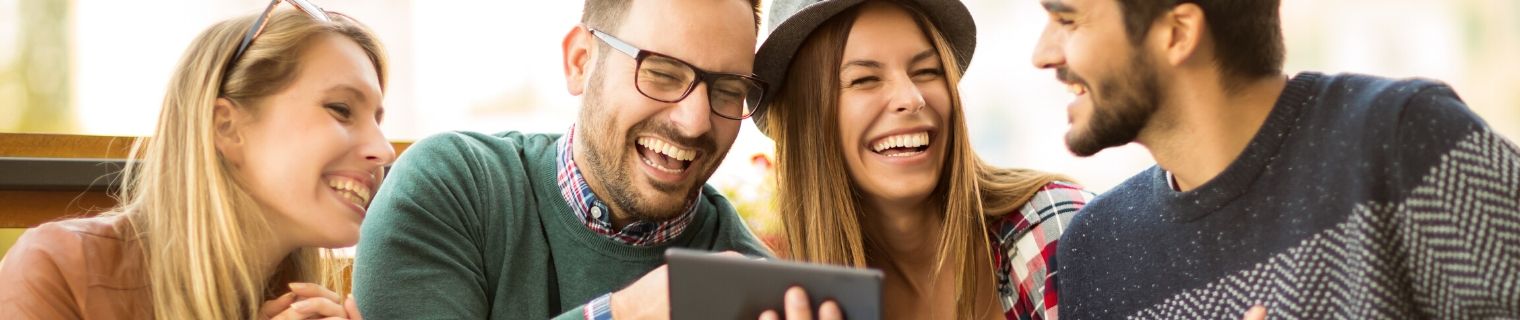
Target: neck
(1201,127)
(908,232)
(273,256)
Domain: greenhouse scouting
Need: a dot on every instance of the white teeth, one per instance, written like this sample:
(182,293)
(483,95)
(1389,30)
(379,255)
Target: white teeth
(667,149)
(353,190)
(659,167)
(1076,89)
(907,140)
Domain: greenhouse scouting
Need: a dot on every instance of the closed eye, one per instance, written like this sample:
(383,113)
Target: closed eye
(340,110)
(863,81)
(929,74)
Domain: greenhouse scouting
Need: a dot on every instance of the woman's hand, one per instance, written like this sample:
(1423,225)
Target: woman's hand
(798,307)
(309,301)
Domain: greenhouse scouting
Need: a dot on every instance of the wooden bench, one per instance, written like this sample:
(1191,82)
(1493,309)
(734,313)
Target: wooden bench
(46,177)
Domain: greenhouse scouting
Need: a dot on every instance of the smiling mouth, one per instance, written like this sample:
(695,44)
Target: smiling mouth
(902,145)
(664,156)
(1076,89)
(353,191)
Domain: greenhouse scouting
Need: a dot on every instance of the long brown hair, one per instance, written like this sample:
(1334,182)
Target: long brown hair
(822,222)
(198,228)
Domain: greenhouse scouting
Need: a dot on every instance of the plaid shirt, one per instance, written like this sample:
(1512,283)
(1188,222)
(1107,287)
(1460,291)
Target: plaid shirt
(1026,242)
(598,217)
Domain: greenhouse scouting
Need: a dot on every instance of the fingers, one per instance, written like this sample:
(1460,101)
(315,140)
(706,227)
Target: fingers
(1256,313)
(351,306)
(649,297)
(312,308)
(310,290)
(830,311)
(769,315)
(274,307)
(797,307)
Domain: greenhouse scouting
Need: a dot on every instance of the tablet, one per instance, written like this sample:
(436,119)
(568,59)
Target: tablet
(708,286)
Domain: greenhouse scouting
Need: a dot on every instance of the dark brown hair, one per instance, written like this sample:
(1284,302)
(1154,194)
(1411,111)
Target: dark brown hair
(1247,34)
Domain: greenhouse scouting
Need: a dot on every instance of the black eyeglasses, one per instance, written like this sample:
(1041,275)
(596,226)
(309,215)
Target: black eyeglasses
(668,79)
(312,10)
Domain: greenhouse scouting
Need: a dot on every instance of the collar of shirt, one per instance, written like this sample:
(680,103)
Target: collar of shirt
(597,216)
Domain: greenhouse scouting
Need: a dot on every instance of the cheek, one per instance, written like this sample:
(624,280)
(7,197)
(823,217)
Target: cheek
(854,117)
(289,162)
(1079,51)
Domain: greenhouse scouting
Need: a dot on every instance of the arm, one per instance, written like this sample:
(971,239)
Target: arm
(1459,218)
(418,254)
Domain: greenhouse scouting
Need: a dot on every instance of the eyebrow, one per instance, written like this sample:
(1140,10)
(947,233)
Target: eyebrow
(862,63)
(349,90)
(1056,6)
(926,54)
(929,53)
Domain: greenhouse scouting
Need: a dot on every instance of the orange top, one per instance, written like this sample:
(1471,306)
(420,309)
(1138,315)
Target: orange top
(88,268)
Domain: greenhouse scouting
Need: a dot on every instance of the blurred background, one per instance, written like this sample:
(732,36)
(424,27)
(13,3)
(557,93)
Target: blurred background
(100,67)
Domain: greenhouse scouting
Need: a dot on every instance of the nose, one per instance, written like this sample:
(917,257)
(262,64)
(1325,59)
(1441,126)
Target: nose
(906,97)
(693,116)
(374,147)
(1047,52)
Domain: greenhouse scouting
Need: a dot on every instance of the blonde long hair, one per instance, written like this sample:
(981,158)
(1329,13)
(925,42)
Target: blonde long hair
(198,228)
(822,222)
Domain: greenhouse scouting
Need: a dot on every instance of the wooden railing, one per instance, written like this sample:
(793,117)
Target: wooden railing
(46,177)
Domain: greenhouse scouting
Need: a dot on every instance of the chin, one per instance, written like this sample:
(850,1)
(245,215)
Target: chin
(339,236)
(904,194)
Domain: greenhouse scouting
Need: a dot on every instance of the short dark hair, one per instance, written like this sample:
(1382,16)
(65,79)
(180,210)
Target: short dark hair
(1248,38)
(608,14)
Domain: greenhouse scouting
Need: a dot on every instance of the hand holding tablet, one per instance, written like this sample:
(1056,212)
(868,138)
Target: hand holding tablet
(708,286)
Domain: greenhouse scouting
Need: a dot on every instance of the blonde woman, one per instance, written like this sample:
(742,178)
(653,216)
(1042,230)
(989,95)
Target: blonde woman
(875,169)
(266,153)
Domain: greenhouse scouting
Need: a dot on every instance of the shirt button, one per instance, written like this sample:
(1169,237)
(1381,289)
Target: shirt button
(596,212)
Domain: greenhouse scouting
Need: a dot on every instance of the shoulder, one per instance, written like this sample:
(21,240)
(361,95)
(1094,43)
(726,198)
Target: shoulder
(1374,89)
(1417,124)
(1060,193)
(1057,200)
(460,156)
(466,146)
(1377,104)
(66,241)
(52,265)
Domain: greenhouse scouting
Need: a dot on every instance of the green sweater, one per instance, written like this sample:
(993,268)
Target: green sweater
(465,226)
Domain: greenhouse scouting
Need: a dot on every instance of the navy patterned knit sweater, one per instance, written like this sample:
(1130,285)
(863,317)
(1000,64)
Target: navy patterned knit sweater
(1359,198)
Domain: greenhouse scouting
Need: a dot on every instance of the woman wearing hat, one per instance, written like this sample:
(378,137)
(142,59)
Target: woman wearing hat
(876,170)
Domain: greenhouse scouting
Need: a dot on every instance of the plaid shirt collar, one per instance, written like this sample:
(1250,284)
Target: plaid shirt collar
(598,216)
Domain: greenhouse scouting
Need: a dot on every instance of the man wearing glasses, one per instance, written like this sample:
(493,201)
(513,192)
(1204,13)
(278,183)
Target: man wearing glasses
(517,225)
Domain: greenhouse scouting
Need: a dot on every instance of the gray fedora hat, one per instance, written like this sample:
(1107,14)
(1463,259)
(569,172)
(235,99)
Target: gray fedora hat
(792,21)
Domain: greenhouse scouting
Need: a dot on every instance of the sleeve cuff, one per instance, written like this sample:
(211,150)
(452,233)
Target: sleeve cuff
(599,308)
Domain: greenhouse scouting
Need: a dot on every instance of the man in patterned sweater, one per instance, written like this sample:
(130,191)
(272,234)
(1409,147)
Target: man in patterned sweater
(1316,196)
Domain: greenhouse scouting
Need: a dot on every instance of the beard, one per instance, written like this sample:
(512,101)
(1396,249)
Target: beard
(605,155)
(1121,107)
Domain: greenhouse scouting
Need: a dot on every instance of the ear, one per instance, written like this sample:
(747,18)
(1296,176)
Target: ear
(577,48)
(226,117)
(1183,30)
